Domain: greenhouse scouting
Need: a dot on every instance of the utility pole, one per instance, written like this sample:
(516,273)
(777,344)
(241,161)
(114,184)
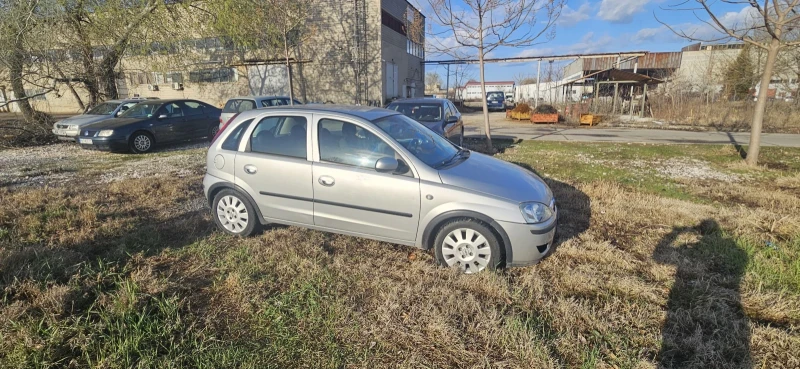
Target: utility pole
(538,82)
(447,84)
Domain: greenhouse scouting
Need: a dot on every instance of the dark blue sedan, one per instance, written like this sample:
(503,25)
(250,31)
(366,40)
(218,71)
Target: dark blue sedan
(152,122)
(440,115)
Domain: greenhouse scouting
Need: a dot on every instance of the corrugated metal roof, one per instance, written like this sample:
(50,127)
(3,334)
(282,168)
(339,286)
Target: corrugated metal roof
(660,60)
(612,74)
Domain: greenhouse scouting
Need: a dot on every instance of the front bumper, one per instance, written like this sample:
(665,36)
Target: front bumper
(66,134)
(530,243)
(103,143)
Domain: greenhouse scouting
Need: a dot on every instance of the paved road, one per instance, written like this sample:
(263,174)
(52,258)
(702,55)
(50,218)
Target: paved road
(507,129)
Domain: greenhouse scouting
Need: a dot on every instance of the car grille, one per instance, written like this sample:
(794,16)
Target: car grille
(88,133)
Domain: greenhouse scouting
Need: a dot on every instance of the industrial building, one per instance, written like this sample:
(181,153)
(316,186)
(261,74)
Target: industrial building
(363,52)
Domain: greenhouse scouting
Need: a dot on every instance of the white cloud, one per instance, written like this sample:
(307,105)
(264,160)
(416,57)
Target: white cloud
(738,22)
(591,44)
(620,11)
(570,17)
(532,52)
(659,34)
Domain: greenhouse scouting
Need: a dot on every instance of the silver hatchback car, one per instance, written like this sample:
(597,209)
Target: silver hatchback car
(378,174)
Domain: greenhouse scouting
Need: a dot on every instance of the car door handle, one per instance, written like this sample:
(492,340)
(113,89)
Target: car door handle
(250,169)
(326,181)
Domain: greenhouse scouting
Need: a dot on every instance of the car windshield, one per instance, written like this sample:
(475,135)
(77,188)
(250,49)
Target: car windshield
(433,149)
(494,95)
(429,112)
(103,109)
(141,110)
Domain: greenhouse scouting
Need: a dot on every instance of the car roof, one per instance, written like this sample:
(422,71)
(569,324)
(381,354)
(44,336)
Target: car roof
(369,113)
(420,100)
(259,97)
(164,101)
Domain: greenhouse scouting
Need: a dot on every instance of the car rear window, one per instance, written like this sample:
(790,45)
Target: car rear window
(238,106)
(233,139)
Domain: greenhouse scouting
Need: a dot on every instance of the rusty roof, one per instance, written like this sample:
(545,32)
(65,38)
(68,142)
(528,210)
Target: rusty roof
(614,74)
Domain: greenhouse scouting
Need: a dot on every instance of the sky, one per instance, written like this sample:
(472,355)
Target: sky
(596,26)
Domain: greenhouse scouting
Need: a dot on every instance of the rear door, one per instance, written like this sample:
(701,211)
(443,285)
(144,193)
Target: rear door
(199,119)
(274,167)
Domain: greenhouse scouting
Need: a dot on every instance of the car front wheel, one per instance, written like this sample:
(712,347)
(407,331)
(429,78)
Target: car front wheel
(469,245)
(141,142)
(234,214)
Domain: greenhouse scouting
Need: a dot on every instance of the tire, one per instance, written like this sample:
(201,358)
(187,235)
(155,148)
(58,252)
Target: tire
(141,143)
(469,245)
(213,131)
(233,214)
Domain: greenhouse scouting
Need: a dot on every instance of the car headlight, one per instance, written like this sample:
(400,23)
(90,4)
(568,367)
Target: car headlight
(105,133)
(535,212)
(72,126)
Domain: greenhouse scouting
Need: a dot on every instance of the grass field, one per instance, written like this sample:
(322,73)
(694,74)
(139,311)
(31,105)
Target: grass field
(668,256)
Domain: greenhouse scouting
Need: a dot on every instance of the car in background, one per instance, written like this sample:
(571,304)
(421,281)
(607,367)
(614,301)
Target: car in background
(495,100)
(67,129)
(439,115)
(241,104)
(378,174)
(152,122)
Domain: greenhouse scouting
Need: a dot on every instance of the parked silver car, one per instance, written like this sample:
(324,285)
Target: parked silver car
(69,128)
(241,104)
(378,174)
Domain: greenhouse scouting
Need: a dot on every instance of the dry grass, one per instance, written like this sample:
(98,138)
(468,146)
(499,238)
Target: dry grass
(650,271)
(726,115)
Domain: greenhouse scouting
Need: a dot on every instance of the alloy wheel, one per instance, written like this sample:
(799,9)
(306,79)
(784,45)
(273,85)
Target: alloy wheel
(142,143)
(467,249)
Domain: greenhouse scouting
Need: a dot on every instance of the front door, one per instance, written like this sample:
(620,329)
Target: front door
(274,168)
(350,195)
(170,123)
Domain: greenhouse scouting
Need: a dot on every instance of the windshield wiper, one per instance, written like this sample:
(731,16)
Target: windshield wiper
(461,153)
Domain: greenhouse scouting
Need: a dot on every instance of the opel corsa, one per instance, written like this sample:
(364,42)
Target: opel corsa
(378,174)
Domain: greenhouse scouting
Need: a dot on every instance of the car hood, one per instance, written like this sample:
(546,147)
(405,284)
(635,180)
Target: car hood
(496,177)
(114,123)
(84,119)
(433,126)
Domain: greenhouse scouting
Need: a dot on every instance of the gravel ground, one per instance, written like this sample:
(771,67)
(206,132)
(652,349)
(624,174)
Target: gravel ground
(66,164)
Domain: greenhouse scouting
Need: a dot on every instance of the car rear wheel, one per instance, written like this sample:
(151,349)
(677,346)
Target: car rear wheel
(468,245)
(213,131)
(234,214)
(141,142)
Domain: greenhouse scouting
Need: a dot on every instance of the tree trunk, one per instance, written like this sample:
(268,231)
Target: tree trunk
(486,125)
(758,117)
(106,76)
(17,85)
(288,68)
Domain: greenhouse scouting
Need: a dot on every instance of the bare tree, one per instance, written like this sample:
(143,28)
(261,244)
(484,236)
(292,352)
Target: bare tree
(773,27)
(483,26)
(462,73)
(525,79)
(432,80)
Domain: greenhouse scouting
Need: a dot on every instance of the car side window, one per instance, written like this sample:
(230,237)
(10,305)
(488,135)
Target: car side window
(232,106)
(280,135)
(246,105)
(349,144)
(191,108)
(172,110)
(233,139)
(447,111)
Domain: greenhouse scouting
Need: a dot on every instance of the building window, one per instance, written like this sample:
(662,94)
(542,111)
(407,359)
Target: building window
(393,23)
(415,49)
(213,75)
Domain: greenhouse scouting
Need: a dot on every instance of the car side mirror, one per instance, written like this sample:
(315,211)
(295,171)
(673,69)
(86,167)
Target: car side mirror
(451,119)
(162,116)
(386,164)
(119,113)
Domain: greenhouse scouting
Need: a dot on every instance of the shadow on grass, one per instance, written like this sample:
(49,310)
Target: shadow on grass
(739,149)
(706,326)
(574,208)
